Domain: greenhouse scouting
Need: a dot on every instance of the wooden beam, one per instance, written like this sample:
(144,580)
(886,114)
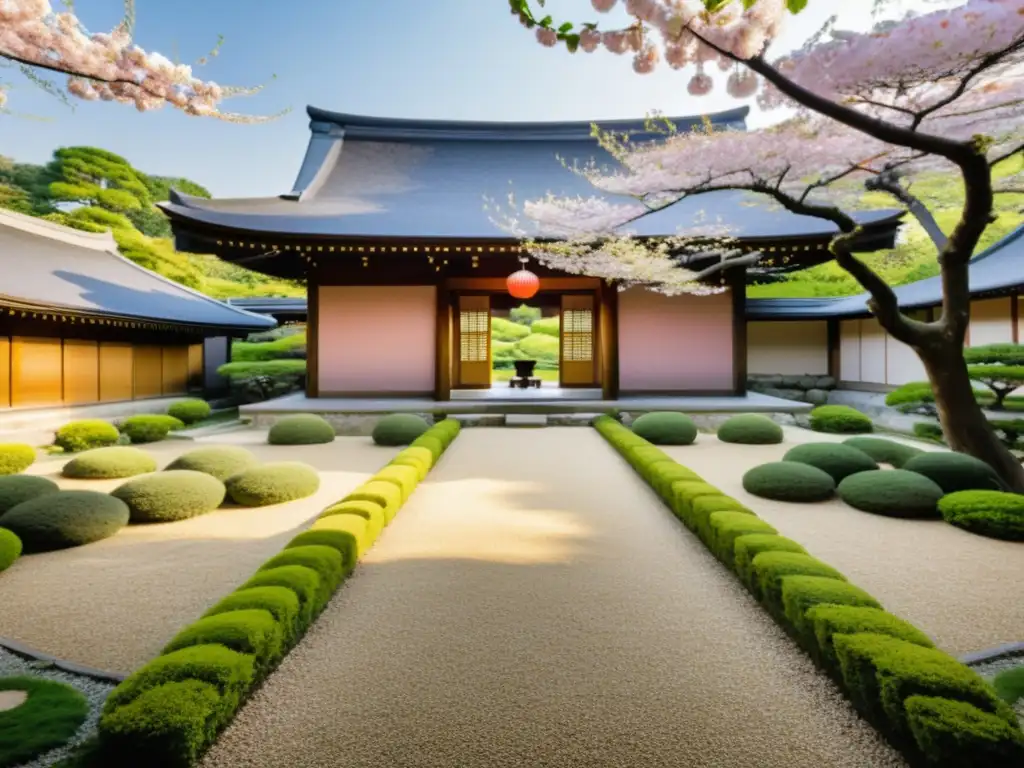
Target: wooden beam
(738,287)
(312,337)
(443,364)
(608,340)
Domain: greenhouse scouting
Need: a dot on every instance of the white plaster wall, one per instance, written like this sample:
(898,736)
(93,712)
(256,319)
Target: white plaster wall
(788,347)
(991,322)
(849,350)
(872,352)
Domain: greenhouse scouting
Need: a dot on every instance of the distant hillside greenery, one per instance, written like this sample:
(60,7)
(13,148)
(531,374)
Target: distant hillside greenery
(95,190)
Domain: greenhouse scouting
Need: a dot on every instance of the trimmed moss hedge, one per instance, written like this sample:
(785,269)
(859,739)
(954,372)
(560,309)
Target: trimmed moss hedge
(386,495)
(171,710)
(891,492)
(10,548)
(419,458)
(954,472)
(835,459)
(16,457)
(65,519)
(17,489)
(189,411)
(399,429)
(665,428)
(85,434)
(221,462)
(109,463)
(932,707)
(1009,685)
(789,481)
(268,484)
(988,513)
(149,427)
(750,429)
(840,419)
(165,497)
(301,429)
(884,451)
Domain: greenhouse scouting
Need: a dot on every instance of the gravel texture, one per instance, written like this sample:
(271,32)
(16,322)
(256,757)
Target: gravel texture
(535,604)
(950,583)
(113,604)
(94,691)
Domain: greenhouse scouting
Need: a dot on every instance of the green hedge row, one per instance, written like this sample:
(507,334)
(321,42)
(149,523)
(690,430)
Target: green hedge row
(166,714)
(932,707)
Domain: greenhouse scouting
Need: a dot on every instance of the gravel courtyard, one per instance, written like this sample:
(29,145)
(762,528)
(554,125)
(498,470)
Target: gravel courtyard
(534,604)
(115,603)
(956,586)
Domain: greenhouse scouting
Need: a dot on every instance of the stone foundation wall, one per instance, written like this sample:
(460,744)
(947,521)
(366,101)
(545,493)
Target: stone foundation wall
(345,424)
(806,388)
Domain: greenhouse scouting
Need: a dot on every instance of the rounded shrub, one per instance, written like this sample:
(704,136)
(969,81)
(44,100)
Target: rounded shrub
(884,451)
(750,429)
(429,442)
(399,429)
(749,546)
(954,472)
(950,732)
(49,718)
(221,462)
(301,429)
(406,478)
(20,488)
(789,481)
(189,411)
(328,563)
(106,463)
(840,419)
(303,582)
(149,427)
(83,435)
(419,459)
(666,428)
(164,497)
(16,457)
(891,492)
(10,549)
(371,512)
(279,602)
(65,519)
(273,484)
(988,513)
(253,632)
(835,459)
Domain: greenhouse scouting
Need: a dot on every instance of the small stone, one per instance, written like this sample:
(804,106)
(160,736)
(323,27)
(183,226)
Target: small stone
(808,382)
(817,396)
(825,382)
(12,699)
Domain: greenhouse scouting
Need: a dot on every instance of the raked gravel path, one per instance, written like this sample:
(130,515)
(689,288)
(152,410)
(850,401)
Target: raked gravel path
(534,604)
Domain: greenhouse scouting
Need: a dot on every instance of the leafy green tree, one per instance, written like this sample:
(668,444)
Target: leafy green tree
(524,315)
(93,176)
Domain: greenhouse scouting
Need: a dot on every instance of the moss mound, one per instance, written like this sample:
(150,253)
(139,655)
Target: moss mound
(164,497)
(301,429)
(49,718)
(750,429)
(891,492)
(106,463)
(789,481)
(954,472)
(221,463)
(149,427)
(837,460)
(20,488)
(273,484)
(65,519)
(988,513)
(10,548)
(399,429)
(840,419)
(189,411)
(666,428)
(15,458)
(884,451)
(83,435)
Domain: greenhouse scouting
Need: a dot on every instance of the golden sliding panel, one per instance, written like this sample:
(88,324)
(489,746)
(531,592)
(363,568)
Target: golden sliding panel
(195,366)
(5,371)
(578,366)
(175,370)
(81,371)
(117,371)
(37,368)
(148,371)
(474,341)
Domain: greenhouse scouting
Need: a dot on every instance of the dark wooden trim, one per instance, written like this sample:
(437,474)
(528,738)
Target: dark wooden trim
(865,386)
(740,347)
(443,343)
(1015,318)
(834,347)
(608,327)
(313,339)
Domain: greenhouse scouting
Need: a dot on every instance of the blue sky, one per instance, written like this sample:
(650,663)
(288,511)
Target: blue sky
(455,59)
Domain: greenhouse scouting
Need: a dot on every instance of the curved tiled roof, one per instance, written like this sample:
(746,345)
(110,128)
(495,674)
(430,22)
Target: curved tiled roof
(49,266)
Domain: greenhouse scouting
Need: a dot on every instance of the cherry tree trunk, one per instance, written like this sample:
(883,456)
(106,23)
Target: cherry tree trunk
(963,423)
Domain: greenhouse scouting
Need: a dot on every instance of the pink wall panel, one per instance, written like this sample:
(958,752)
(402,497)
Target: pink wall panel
(377,339)
(675,343)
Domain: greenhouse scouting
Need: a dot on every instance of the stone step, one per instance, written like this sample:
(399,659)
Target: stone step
(526,420)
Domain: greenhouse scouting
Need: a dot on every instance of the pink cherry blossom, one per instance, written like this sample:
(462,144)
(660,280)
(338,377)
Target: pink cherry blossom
(590,39)
(547,37)
(603,6)
(700,85)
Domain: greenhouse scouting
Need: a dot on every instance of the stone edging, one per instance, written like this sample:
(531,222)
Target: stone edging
(978,657)
(67,666)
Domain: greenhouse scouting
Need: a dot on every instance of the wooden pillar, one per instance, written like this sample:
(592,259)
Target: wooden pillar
(1015,318)
(738,286)
(608,339)
(443,364)
(312,336)
(834,363)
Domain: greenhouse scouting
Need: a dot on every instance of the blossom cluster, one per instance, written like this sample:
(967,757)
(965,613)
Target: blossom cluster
(107,66)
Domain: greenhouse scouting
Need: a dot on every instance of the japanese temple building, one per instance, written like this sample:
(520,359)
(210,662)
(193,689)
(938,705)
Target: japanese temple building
(387,222)
(81,325)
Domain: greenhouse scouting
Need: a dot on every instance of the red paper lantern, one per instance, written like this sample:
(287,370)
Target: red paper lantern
(523,284)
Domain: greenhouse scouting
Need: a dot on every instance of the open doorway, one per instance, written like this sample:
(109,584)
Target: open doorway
(525,342)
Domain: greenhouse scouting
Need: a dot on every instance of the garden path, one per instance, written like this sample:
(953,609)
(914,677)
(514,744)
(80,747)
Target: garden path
(534,604)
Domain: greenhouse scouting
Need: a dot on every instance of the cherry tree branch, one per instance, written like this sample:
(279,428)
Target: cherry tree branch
(889,181)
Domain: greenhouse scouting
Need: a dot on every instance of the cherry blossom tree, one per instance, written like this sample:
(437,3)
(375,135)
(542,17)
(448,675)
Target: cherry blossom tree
(942,89)
(105,66)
